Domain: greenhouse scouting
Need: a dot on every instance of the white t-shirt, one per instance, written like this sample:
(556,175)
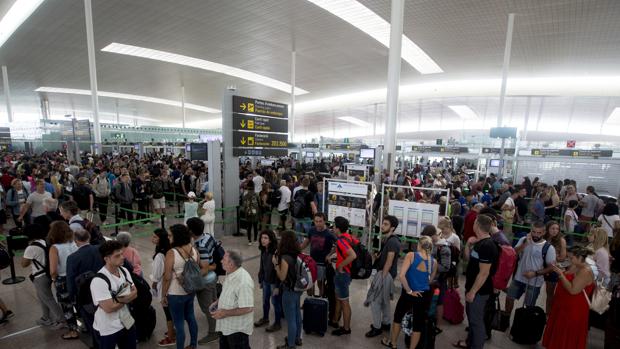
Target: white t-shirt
(258,183)
(36,253)
(531,259)
(608,222)
(36,202)
(209,208)
(591,204)
(454,240)
(510,202)
(107,323)
(285,199)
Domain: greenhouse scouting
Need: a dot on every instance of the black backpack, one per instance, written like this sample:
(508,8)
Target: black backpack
(157,188)
(218,255)
(274,198)
(361,267)
(85,298)
(43,269)
(299,208)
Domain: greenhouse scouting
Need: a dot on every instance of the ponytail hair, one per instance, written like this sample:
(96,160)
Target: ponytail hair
(426,243)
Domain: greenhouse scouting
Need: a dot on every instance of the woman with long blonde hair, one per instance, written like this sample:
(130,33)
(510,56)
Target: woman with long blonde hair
(600,245)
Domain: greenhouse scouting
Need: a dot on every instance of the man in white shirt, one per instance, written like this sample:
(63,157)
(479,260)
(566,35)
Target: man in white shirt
(258,182)
(591,204)
(285,200)
(35,201)
(234,310)
(113,322)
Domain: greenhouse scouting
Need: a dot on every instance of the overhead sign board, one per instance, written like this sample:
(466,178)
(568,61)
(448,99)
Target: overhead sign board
(595,153)
(507,151)
(5,135)
(310,145)
(275,152)
(259,107)
(345,146)
(439,149)
(259,139)
(259,123)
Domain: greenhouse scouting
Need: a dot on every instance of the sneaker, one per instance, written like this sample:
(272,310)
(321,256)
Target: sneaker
(373,332)
(9,314)
(211,337)
(341,331)
(58,326)
(261,322)
(166,342)
(298,341)
(273,328)
(44,322)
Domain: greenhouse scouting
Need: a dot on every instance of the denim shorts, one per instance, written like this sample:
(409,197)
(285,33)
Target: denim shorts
(518,288)
(341,285)
(320,272)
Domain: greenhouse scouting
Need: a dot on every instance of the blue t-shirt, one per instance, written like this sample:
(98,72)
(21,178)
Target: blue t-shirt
(539,209)
(486,199)
(321,243)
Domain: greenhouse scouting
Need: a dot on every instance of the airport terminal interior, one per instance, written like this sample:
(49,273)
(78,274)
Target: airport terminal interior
(310,174)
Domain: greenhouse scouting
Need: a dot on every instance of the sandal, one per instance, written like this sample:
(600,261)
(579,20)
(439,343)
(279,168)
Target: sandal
(460,344)
(387,343)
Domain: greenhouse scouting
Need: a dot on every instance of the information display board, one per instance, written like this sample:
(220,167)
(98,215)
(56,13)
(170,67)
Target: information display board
(359,171)
(348,200)
(439,149)
(413,216)
(260,128)
(507,151)
(5,135)
(594,153)
(259,107)
(198,151)
(259,123)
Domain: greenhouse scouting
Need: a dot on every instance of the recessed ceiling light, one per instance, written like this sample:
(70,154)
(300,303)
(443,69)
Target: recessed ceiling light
(170,57)
(127,96)
(378,28)
(15,16)
(464,112)
(355,121)
(614,117)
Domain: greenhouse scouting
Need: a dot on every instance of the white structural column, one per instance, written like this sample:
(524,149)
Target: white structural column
(92,68)
(291,117)
(505,67)
(7,93)
(183,103)
(396,35)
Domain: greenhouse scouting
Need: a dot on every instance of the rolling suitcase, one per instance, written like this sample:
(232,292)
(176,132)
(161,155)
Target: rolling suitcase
(315,315)
(528,325)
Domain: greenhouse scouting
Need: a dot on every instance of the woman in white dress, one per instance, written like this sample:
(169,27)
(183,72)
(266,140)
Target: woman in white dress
(208,216)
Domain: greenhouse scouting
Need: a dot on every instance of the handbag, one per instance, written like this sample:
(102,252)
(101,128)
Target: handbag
(600,298)
(501,319)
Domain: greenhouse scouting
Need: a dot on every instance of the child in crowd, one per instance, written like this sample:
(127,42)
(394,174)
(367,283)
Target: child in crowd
(191,207)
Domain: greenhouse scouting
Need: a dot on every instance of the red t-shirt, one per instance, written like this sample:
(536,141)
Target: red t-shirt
(343,245)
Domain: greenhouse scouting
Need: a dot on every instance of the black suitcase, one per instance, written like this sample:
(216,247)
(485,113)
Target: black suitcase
(146,320)
(427,337)
(612,328)
(315,315)
(528,325)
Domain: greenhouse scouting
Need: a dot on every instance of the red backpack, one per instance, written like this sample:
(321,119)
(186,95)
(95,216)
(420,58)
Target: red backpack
(505,267)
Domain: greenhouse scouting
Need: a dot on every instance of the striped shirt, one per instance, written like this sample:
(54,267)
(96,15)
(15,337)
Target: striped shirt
(205,246)
(237,292)
(343,245)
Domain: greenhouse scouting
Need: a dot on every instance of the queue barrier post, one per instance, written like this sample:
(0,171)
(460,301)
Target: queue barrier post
(13,279)
(162,217)
(116,218)
(238,221)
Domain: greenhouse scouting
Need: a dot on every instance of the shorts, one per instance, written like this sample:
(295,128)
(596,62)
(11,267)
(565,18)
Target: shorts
(159,204)
(417,306)
(518,288)
(552,277)
(320,272)
(342,281)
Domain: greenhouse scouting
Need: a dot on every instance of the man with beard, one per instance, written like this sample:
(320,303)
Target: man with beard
(536,258)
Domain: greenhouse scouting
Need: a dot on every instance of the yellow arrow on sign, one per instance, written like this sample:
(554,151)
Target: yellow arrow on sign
(242,106)
(242,140)
(242,123)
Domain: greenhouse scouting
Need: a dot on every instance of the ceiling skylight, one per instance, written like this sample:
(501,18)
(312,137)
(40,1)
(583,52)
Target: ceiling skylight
(355,121)
(170,57)
(15,16)
(465,112)
(378,28)
(127,96)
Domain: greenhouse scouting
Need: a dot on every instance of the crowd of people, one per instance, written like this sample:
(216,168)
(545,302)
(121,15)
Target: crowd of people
(564,242)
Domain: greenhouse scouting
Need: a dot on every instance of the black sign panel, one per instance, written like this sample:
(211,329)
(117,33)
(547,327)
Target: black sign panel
(595,153)
(5,135)
(198,151)
(260,152)
(258,139)
(259,107)
(310,145)
(439,149)
(507,151)
(259,123)
(345,146)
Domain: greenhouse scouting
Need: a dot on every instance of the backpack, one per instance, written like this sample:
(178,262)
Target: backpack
(505,267)
(455,255)
(191,278)
(305,272)
(157,188)
(250,204)
(274,197)
(43,269)
(95,233)
(361,267)
(299,208)
(85,297)
(218,255)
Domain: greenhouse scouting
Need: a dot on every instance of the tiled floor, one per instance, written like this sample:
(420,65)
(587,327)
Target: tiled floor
(21,331)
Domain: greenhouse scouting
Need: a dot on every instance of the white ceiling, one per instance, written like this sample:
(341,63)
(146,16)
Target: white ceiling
(465,37)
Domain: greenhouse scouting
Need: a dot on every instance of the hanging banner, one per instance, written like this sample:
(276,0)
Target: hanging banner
(413,216)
